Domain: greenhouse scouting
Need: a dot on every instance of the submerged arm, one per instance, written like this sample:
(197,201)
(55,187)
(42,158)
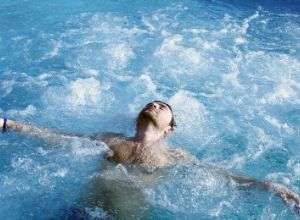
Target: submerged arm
(284,193)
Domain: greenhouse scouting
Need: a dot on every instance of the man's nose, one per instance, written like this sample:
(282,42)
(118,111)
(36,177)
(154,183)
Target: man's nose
(154,105)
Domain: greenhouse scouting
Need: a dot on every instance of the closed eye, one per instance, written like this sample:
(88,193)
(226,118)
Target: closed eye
(162,106)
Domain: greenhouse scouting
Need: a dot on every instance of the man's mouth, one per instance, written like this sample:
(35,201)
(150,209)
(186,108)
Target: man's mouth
(150,110)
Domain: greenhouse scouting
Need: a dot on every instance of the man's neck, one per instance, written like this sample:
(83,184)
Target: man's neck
(148,135)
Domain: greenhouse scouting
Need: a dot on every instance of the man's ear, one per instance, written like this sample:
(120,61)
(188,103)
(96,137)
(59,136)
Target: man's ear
(167,130)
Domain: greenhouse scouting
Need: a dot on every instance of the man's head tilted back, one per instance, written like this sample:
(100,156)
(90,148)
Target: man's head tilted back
(159,114)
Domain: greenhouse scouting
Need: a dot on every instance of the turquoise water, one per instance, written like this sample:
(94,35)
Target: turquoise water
(230,70)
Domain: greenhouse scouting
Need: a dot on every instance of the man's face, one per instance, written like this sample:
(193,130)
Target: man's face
(158,113)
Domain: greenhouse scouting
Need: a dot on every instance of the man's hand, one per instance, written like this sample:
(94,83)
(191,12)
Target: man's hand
(1,122)
(287,195)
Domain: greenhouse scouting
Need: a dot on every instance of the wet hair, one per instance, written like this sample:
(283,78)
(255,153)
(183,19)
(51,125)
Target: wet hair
(172,122)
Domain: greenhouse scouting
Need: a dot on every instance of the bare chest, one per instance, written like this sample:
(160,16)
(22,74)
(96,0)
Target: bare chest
(129,152)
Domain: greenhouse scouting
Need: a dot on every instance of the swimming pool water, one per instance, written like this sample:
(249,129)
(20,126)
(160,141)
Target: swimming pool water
(229,69)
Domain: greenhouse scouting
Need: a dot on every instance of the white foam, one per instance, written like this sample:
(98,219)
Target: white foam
(6,87)
(268,214)
(232,77)
(22,163)
(259,143)
(18,38)
(97,213)
(177,58)
(279,177)
(195,31)
(87,92)
(79,97)
(92,72)
(185,102)
(227,17)
(230,122)
(237,161)
(280,94)
(56,46)
(296,170)
(240,40)
(42,151)
(246,22)
(278,124)
(191,187)
(170,44)
(29,110)
(295,166)
(33,81)
(44,76)
(264,21)
(275,77)
(84,91)
(217,211)
(118,55)
(144,90)
(105,41)
(124,78)
(60,173)
(223,31)
(148,24)
(113,26)
(190,115)
(210,45)
(165,33)
(82,147)
(235,29)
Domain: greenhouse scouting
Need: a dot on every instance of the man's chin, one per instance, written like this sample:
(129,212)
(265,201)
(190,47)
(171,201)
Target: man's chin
(147,116)
(149,113)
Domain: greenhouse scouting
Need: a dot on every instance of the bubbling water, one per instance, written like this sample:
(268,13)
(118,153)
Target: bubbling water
(229,70)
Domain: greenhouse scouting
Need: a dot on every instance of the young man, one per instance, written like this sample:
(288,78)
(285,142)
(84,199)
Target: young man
(147,148)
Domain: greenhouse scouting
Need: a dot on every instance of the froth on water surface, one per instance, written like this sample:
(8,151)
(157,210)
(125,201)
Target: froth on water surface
(230,70)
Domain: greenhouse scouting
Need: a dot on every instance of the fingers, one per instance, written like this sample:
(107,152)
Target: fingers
(286,195)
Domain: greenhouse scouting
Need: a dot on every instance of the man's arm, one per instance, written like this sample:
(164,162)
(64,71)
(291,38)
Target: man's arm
(110,138)
(48,135)
(288,196)
(284,193)
(57,138)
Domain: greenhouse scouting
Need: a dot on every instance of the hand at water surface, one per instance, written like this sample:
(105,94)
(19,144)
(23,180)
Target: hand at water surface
(287,195)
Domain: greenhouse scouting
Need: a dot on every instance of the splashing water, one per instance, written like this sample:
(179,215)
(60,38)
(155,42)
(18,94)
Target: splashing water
(230,70)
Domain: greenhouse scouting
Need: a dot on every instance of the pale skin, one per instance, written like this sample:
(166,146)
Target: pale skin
(147,148)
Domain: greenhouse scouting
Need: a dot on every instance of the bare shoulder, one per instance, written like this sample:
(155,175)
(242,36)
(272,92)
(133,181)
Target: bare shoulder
(118,143)
(110,138)
(123,151)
